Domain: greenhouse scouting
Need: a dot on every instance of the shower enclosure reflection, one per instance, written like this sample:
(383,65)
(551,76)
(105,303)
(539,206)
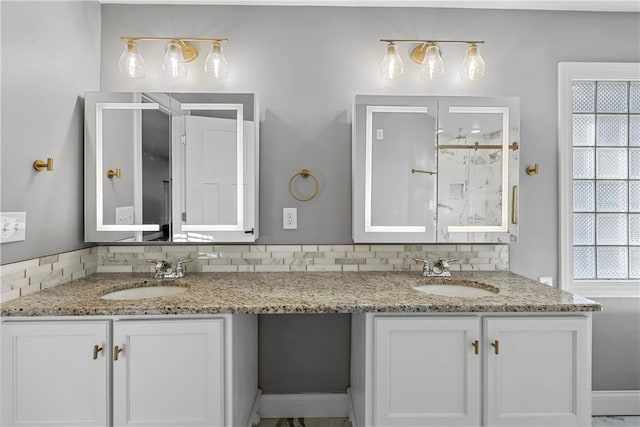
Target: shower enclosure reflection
(435,169)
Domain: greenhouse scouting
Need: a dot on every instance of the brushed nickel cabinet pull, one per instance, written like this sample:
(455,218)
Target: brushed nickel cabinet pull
(476,347)
(96,349)
(496,346)
(116,350)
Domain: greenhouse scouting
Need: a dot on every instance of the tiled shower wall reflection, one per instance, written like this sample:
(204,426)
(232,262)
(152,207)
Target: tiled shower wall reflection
(283,258)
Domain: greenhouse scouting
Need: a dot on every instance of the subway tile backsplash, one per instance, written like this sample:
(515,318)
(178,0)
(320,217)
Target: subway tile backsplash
(265,258)
(26,277)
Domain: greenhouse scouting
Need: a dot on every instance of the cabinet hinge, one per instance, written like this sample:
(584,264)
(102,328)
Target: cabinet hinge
(184,217)
(183,139)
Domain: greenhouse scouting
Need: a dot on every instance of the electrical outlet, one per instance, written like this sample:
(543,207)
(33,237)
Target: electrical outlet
(547,280)
(13,226)
(289,218)
(379,134)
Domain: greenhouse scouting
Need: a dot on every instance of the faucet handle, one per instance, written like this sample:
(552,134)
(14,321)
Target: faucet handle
(442,265)
(161,265)
(423,261)
(182,262)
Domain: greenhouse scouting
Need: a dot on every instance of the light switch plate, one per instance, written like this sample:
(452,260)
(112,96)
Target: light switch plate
(124,215)
(13,226)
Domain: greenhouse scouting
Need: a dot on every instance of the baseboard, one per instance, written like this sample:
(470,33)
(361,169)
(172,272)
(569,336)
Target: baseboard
(312,405)
(616,402)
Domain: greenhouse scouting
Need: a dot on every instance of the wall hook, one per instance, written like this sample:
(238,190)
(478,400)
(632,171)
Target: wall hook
(533,170)
(41,165)
(113,174)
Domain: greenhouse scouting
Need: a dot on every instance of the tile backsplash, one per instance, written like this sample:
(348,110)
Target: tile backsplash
(26,277)
(265,258)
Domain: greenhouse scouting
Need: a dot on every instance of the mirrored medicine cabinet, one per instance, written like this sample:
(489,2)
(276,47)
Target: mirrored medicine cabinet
(171,167)
(435,169)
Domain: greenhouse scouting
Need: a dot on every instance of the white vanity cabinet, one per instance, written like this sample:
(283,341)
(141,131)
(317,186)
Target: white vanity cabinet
(470,370)
(168,373)
(55,373)
(151,372)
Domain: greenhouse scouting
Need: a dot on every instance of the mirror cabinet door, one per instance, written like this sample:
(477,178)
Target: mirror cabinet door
(395,150)
(170,167)
(435,169)
(477,150)
(215,170)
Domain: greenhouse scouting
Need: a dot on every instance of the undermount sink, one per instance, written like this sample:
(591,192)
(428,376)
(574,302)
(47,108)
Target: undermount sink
(142,292)
(462,289)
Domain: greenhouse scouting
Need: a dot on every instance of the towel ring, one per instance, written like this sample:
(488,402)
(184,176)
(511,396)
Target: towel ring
(305,173)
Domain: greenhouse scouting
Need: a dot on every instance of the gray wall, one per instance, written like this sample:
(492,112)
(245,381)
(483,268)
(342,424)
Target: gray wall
(305,65)
(50,57)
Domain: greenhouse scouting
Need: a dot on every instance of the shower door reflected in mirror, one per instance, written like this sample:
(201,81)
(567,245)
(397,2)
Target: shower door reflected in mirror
(477,151)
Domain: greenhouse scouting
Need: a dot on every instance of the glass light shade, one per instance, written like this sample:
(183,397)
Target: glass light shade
(392,66)
(432,66)
(131,63)
(473,64)
(173,64)
(216,65)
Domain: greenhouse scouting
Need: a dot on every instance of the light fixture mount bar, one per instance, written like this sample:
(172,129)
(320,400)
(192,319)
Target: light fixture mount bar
(190,39)
(431,41)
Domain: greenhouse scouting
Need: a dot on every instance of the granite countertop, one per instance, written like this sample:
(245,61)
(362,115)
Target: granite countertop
(211,293)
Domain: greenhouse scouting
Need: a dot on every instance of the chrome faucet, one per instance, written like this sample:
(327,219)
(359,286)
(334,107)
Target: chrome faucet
(165,270)
(440,268)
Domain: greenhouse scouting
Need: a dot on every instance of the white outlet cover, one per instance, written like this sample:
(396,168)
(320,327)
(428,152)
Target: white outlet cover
(289,218)
(547,280)
(13,227)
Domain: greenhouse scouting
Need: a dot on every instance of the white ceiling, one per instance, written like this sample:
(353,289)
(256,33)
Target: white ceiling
(582,5)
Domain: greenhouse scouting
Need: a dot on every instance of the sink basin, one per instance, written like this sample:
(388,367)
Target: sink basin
(143,292)
(462,289)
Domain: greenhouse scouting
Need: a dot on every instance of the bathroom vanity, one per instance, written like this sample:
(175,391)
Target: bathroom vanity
(520,356)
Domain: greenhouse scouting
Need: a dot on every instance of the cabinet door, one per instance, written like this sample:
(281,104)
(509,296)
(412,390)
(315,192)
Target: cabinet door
(51,374)
(540,373)
(478,151)
(394,169)
(426,371)
(168,373)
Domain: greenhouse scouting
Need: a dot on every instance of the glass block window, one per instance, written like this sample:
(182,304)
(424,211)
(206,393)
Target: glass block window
(606,180)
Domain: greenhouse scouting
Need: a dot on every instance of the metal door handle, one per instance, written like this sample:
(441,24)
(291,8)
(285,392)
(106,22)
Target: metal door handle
(96,349)
(496,346)
(476,346)
(116,350)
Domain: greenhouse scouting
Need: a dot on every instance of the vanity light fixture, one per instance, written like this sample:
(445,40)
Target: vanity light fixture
(427,54)
(179,52)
